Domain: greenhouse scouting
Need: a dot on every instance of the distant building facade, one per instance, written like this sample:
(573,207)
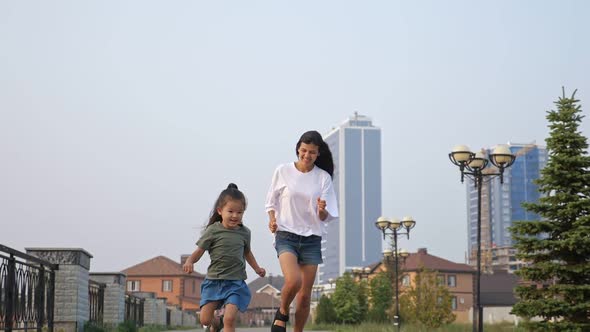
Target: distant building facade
(165,278)
(353,240)
(456,277)
(502,205)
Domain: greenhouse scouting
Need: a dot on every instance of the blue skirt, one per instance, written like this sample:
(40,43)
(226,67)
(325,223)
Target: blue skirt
(226,291)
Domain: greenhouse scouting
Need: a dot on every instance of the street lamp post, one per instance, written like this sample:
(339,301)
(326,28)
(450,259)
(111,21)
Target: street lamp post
(332,283)
(473,165)
(394,226)
(403,254)
(317,289)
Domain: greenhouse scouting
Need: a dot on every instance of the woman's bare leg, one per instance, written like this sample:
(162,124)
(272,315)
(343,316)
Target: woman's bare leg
(303,297)
(292,275)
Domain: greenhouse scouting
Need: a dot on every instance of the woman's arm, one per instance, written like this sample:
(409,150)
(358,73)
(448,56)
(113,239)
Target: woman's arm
(272,221)
(327,202)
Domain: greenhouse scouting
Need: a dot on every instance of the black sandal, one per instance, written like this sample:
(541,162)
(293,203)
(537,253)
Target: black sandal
(280,317)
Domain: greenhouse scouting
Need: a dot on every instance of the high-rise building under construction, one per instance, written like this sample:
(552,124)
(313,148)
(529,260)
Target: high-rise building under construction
(501,205)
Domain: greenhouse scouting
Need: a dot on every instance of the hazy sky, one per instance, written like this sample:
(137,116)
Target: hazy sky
(121,121)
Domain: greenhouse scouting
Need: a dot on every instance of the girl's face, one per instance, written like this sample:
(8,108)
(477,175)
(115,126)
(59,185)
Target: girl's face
(308,153)
(231,213)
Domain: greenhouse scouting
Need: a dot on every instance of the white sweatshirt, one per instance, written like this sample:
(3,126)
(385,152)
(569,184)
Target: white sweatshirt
(293,196)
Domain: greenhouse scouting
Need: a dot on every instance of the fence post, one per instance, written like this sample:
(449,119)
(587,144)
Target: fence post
(51,301)
(71,306)
(114,295)
(10,293)
(40,298)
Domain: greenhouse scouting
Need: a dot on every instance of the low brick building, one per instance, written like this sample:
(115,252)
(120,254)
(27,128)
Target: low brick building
(457,277)
(165,277)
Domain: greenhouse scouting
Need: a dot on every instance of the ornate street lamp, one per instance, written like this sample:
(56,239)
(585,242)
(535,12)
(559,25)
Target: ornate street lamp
(394,226)
(473,165)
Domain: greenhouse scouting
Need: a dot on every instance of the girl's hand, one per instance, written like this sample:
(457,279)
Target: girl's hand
(188,267)
(272,225)
(261,272)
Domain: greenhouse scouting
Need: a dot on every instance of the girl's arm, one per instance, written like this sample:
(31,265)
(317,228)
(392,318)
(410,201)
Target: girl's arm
(196,255)
(249,256)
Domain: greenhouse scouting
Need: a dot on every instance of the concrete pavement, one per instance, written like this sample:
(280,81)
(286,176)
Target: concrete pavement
(243,329)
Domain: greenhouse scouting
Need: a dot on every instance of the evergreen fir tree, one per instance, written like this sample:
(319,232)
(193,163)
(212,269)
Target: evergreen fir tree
(556,286)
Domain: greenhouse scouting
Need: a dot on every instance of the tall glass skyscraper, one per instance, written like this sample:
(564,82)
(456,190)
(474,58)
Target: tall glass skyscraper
(353,240)
(502,203)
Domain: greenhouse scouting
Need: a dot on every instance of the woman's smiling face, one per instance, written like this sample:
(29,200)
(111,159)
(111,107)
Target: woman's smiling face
(308,153)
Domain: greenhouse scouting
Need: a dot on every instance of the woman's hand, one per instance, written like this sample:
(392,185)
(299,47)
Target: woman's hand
(322,213)
(272,225)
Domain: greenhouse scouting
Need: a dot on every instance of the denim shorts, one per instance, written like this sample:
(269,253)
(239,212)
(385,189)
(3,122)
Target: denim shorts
(307,249)
(226,291)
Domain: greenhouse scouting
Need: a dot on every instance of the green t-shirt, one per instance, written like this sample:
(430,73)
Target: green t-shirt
(226,249)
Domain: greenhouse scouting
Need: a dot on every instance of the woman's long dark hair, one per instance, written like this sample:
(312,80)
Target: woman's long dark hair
(230,193)
(324,159)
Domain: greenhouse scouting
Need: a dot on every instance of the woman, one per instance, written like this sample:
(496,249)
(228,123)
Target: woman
(300,201)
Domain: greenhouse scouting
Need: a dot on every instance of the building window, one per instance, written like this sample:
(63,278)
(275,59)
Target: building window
(454,303)
(440,280)
(166,285)
(133,286)
(406,280)
(452,281)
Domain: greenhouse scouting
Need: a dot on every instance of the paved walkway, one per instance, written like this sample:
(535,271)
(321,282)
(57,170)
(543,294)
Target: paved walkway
(242,329)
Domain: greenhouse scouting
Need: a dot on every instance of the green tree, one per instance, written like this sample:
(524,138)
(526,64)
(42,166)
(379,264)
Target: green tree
(381,291)
(558,246)
(363,296)
(347,299)
(427,302)
(325,313)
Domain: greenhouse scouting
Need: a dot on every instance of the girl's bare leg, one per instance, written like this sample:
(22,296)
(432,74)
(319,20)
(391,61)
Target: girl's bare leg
(207,316)
(230,317)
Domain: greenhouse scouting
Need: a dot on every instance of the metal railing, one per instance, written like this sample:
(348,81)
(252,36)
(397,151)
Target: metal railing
(96,301)
(27,288)
(134,309)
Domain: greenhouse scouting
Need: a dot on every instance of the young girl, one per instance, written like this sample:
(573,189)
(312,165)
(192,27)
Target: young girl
(228,243)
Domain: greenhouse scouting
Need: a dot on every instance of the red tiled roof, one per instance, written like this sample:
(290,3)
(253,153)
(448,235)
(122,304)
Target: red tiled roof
(159,266)
(422,259)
